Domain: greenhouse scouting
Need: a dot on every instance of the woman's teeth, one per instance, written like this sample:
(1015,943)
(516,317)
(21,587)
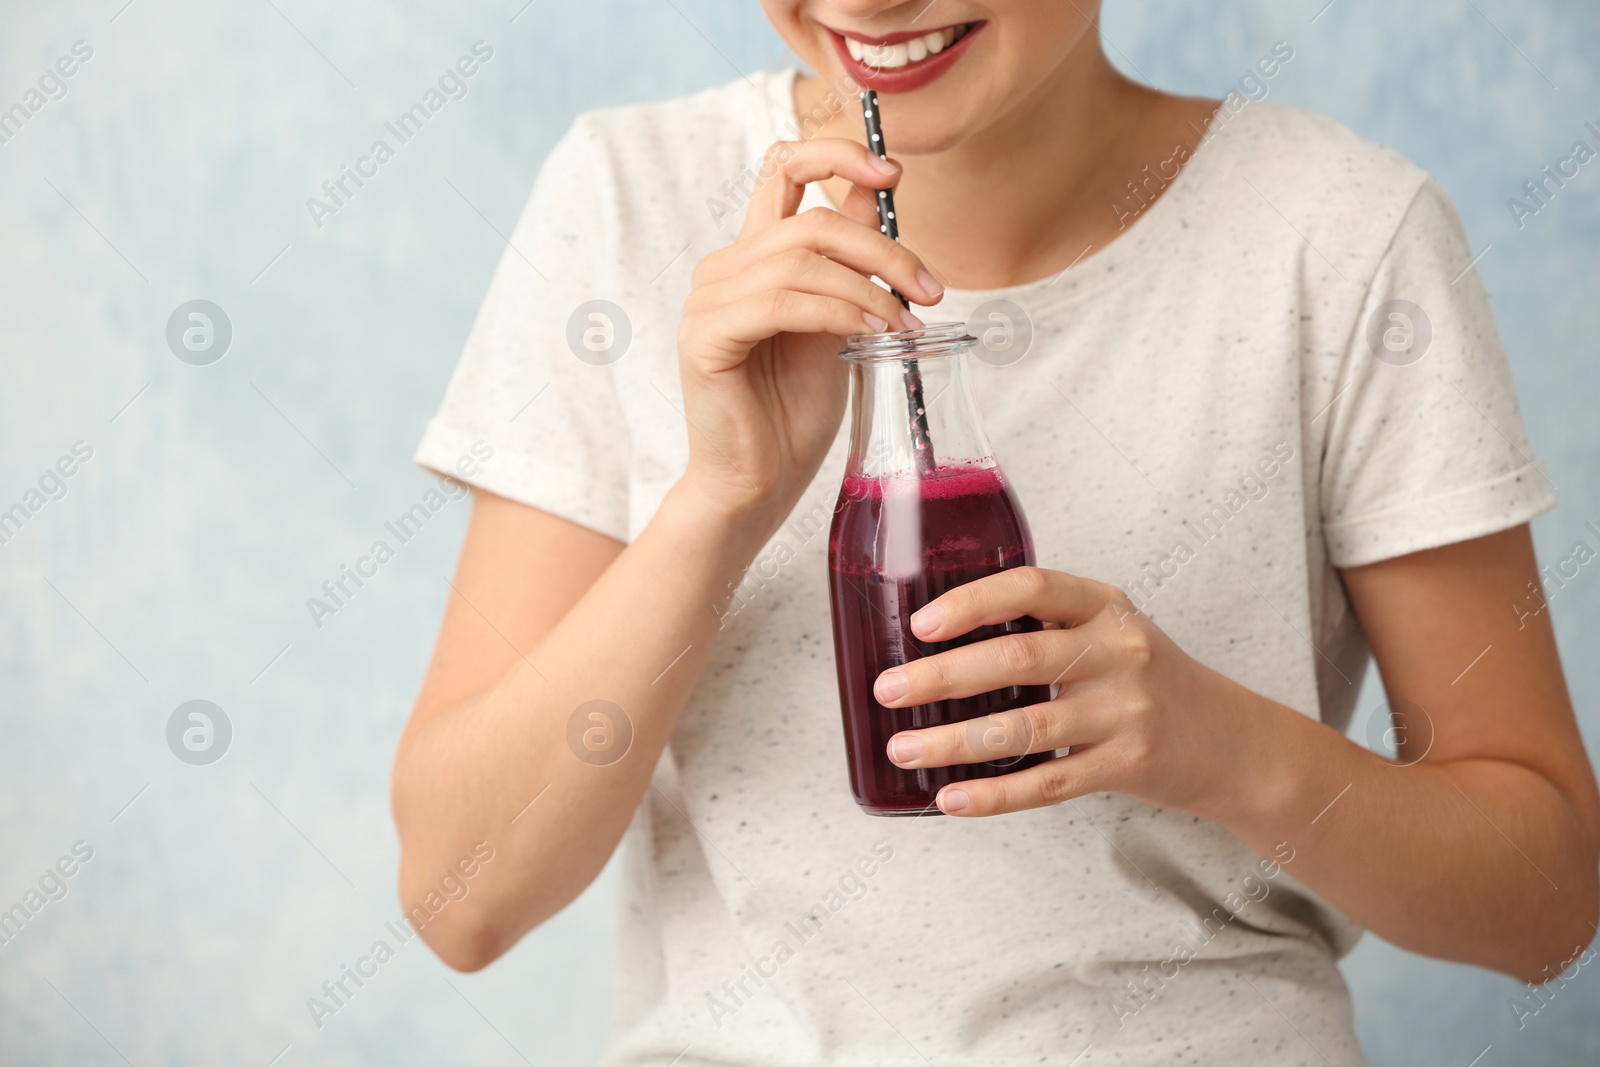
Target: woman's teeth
(891,56)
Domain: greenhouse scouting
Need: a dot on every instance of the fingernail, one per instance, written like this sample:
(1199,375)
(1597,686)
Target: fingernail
(928,619)
(883,166)
(892,685)
(930,284)
(952,801)
(875,324)
(903,748)
(911,321)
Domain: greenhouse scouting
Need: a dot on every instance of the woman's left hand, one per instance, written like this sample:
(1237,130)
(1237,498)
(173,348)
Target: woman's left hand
(1140,715)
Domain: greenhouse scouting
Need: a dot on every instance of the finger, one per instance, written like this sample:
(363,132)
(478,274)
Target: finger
(1050,782)
(789,166)
(803,270)
(1043,594)
(1045,727)
(761,315)
(861,205)
(1042,657)
(827,232)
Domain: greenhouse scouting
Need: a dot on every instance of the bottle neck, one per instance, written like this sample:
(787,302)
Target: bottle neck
(889,441)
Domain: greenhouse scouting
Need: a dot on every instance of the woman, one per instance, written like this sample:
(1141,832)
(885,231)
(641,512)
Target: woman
(1264,423)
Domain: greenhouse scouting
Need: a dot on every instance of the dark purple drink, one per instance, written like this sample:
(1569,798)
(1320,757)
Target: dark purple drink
(899,541)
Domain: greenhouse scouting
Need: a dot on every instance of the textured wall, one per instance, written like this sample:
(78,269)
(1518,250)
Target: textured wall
(174,563)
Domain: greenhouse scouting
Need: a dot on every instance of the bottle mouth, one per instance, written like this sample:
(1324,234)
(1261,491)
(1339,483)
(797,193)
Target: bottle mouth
(936,339)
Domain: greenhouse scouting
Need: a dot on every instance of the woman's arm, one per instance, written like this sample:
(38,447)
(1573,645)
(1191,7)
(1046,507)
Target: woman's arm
(1482,848)
(551,615)
(547,616)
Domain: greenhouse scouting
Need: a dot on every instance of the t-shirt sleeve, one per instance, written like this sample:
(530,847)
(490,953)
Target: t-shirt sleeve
(1425,446)
(524,417)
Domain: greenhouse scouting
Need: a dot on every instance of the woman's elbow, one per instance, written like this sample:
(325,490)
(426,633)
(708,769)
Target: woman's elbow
(463,942)
(1572,929)
(450,915)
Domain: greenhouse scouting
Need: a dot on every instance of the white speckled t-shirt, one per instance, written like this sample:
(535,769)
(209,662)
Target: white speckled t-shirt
(1283,366)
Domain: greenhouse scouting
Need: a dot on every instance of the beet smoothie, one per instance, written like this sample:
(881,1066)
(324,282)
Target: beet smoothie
(898,541)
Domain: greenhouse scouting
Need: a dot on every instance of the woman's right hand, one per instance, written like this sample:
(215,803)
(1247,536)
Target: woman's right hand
(758,345)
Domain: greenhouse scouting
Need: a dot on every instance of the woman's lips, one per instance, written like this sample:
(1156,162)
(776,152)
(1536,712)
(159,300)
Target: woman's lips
(875,61)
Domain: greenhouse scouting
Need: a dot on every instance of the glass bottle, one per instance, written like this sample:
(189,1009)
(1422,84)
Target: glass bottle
(924,508)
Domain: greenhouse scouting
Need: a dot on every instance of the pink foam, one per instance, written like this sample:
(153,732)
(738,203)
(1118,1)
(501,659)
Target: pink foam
(946,483)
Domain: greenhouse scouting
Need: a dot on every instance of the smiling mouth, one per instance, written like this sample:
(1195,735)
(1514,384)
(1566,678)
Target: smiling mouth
(899,51)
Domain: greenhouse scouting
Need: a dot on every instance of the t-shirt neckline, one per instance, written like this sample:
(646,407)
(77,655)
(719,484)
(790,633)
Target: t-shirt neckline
(1078,281)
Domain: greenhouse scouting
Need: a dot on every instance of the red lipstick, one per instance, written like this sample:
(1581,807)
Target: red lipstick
(912,76)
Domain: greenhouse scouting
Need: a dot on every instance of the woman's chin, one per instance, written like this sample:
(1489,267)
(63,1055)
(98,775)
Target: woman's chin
(920,129)
(909,144)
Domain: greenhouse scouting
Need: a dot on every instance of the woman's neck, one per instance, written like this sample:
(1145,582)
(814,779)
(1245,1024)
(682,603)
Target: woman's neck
(1040,189)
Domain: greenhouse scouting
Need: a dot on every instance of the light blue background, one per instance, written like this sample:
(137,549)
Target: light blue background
(217,502)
